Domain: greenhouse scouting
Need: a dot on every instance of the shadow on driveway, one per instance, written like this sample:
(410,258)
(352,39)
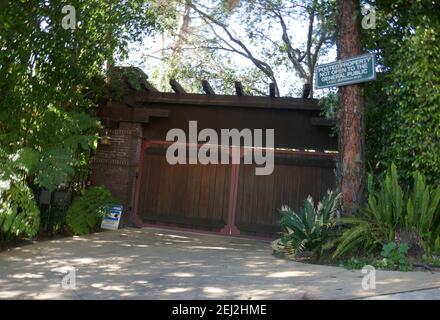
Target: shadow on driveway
(152,263)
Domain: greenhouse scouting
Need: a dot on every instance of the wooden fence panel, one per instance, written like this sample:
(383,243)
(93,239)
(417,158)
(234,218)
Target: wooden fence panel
(295,176)
(199,196)
(189,195)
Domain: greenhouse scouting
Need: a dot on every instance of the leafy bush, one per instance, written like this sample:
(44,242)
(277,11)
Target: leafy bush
(386,204)
(310,229)
(363,236)
(390,212)
(432,261)
(355,263)
(86,211)
(395,257)
(19,215)
(377,222)
(423,213)
(403,113)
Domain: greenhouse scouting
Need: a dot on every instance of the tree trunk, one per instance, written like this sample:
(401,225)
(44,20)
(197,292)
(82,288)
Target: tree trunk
(351,166)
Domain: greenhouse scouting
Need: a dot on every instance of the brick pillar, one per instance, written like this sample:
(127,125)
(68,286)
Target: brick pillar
(114,166)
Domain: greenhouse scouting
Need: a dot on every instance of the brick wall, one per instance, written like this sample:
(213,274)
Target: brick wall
(114,166)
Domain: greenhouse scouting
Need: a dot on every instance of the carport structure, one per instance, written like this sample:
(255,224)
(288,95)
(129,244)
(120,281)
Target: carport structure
(222,198)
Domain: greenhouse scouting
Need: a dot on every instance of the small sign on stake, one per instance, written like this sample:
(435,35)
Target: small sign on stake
(344,72)
(112,216)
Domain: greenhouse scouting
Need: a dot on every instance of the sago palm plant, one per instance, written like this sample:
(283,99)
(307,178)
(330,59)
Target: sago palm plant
(309,228)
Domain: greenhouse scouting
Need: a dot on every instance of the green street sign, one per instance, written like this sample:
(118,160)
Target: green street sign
(344,72)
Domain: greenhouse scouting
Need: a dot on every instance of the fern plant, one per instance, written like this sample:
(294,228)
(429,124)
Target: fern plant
(389,210)
(423,213)
(386,204)
(19,214)
(309,228)
(86,211)
(363,235)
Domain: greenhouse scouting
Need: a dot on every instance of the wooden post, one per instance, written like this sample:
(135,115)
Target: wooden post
(147,86)
(177,88)
(239,88)
(207,87)
(307,88)
(272,90)
(351,166)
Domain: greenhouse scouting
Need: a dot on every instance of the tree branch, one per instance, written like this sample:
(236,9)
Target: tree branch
(261,65)
(290,50)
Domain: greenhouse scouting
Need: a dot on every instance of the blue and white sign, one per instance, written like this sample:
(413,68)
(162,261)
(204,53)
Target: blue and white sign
(112,217)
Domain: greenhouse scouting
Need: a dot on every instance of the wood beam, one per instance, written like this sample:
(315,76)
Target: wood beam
(239,88)
(307,88)
(147,86)
(207,87)
(272,90)
(177,88)
(322,122)
(116,112)
(158,98)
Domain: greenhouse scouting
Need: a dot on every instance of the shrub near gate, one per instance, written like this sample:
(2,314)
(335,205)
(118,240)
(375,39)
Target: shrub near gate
(310,229)
(86,211)
(394,214)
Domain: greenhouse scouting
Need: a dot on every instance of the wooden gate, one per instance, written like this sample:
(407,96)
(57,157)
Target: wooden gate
(225,198)
(191,195)
(296,175)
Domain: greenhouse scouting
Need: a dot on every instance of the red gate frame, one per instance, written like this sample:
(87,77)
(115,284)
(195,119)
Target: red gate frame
(229,229)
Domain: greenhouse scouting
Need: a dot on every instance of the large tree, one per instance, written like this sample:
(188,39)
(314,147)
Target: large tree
(351,166)
(50,77)
(264,34)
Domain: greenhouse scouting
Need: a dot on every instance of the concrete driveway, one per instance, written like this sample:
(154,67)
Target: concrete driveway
(153,263)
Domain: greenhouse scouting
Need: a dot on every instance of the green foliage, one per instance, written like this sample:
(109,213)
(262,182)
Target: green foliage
(356,263)
(311,228)
(415,142)
(386,204)
(64,136)
(262,57)
(19,215)
(433,261)
(423,213)
(403,117)
(377,223)
(395,257)
(362,236)
(329,104)
(391,209)
(51,80)
(86,211)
